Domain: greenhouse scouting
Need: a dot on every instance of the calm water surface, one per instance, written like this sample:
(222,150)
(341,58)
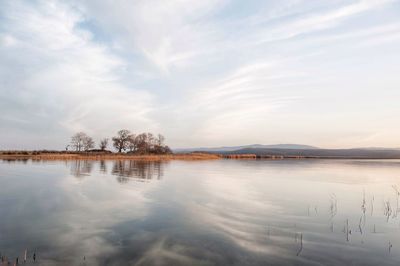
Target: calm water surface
(225,212)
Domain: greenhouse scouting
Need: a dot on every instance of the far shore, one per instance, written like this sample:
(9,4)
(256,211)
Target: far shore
(68,155)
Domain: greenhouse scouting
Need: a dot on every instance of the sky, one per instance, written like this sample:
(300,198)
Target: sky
(202,73)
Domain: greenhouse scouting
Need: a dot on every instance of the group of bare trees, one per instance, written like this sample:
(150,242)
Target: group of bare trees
(124,141)
(142,143)
(82,142)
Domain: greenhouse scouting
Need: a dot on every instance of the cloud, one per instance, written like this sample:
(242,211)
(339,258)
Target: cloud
(317,22)
(238,102)
(200,72)
(61,78)
(168,34)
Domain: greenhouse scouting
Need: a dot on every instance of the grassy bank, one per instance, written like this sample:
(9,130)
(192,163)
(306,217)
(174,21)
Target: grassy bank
(49,155)
(68,155)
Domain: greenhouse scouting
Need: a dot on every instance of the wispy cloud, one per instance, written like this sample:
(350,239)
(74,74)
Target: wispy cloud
(317,22)
(167,34)
(201,72)
(60,76)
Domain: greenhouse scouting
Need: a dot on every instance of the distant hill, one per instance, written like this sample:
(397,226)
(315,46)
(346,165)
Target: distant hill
(361,153)
(252,146)
(290,150)
(378,148)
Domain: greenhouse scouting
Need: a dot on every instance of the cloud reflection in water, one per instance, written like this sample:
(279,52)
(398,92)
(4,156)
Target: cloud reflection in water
(199,213)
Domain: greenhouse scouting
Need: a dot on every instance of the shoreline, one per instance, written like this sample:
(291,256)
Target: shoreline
(109,156)
(165,157)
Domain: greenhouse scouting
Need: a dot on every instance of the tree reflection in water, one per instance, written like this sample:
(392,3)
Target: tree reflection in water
(103,167)
(80,168)
(139,170)
(19,160)
(124,170)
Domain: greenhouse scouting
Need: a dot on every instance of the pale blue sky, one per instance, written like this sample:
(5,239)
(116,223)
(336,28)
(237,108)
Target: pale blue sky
(203,73)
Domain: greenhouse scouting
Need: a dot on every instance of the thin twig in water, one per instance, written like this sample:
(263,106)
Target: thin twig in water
(333,206)
(301,245)
(372,205)
(364,203)
(387,210)
(397,192)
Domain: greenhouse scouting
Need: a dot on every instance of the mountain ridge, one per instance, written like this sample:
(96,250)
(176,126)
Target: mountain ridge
(323,153)
(254,146)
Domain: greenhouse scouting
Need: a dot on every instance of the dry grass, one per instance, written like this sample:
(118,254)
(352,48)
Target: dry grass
(108,156)
(240,156)
(70,155)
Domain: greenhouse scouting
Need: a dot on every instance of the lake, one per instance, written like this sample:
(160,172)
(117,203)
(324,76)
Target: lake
(219,212)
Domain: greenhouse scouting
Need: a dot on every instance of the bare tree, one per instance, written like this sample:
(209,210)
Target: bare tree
(141,143)
(120,142)
(160,140)
(77,140)
(158,146)
(150,142)
(81,141)
(132,144)
(165,150)
(103,144)
(88,143)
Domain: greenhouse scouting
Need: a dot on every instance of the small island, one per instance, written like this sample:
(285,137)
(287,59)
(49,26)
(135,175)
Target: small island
(127,146)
